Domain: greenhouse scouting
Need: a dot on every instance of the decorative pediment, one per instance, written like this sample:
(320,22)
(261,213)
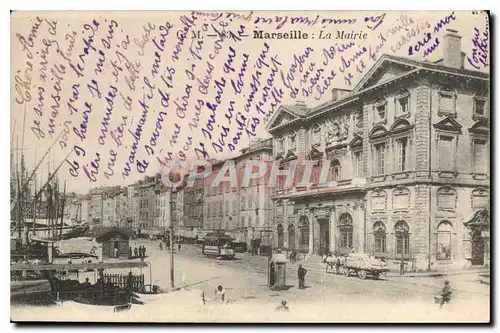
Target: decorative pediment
(281,117)
(357,141)
(290,155)
(315,153)
(480,219)
(377,132)
(482,127)
(401,125)
(449,124)
(385,69)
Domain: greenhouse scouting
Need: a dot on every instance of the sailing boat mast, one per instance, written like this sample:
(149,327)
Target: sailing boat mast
(56,207)
(23,185)
(34,211)
(62,211)
(19,194)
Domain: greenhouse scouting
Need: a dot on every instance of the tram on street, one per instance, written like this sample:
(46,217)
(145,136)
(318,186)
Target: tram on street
(220,246)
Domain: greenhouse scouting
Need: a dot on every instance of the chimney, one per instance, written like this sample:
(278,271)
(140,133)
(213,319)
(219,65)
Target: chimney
(335,94)
(339,94)
(452,47)
(301,104)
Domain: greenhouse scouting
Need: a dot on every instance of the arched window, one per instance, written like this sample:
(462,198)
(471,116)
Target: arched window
(280,236)
(291,237)
(402,232)
(346,229)
(444,234)
(280,144)
(304,231)
(334,173)
(293,141)
(379,235)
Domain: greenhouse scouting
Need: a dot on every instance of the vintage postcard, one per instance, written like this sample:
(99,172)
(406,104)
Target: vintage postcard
(257,166)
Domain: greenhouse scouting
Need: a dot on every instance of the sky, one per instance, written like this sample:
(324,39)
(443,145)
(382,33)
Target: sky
(150,76)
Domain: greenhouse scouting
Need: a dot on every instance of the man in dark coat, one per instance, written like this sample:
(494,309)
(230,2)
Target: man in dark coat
(301,272)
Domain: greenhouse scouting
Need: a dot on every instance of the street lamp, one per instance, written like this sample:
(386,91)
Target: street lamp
(173,190)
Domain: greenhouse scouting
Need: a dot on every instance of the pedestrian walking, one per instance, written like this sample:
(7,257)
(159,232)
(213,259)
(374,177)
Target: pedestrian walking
(143,252)
(115,251)
(161,246)
(130,252)
(136,252)
(402,266)
(445,293)
(301,273)
(179,246)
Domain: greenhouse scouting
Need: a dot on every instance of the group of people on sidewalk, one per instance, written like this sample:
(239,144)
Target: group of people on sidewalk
(167,245)
(137,252)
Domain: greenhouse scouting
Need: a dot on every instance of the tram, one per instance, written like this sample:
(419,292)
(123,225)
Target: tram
(220,246)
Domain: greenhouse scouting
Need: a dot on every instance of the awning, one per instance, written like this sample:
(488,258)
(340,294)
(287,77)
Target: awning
(28,287)
(480,219)
(58,267)
(41,240)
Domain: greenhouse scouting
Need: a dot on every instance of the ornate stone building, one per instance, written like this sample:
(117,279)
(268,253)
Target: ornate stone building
(408,154)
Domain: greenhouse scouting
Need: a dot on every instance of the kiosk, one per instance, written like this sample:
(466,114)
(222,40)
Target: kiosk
(277,272)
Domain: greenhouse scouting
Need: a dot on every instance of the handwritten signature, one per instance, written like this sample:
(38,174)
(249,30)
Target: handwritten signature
(479,57)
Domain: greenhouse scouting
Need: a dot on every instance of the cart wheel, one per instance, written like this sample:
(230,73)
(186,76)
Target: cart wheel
(376,276)
(345,271)
(362,274)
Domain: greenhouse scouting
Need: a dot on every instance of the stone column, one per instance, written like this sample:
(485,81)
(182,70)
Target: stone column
(360,227)
(285,234)
(333,229)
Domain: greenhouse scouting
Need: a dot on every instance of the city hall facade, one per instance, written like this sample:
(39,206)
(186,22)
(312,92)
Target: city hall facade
(408,149)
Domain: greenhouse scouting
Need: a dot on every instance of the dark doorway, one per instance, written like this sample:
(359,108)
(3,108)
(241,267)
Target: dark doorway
(324,237)
(477,249)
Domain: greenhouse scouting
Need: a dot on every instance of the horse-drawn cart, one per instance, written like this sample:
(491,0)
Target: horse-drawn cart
(363,265)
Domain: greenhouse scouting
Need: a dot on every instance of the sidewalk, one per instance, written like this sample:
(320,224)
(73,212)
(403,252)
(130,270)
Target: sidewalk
(478,271)
(315,263)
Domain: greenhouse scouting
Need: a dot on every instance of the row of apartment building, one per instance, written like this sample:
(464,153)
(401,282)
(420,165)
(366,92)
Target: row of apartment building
(142,206)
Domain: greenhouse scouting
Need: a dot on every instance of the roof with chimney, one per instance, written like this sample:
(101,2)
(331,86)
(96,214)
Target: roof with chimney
(387,70)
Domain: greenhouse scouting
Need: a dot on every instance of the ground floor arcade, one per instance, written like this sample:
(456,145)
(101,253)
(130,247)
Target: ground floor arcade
(425,239)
